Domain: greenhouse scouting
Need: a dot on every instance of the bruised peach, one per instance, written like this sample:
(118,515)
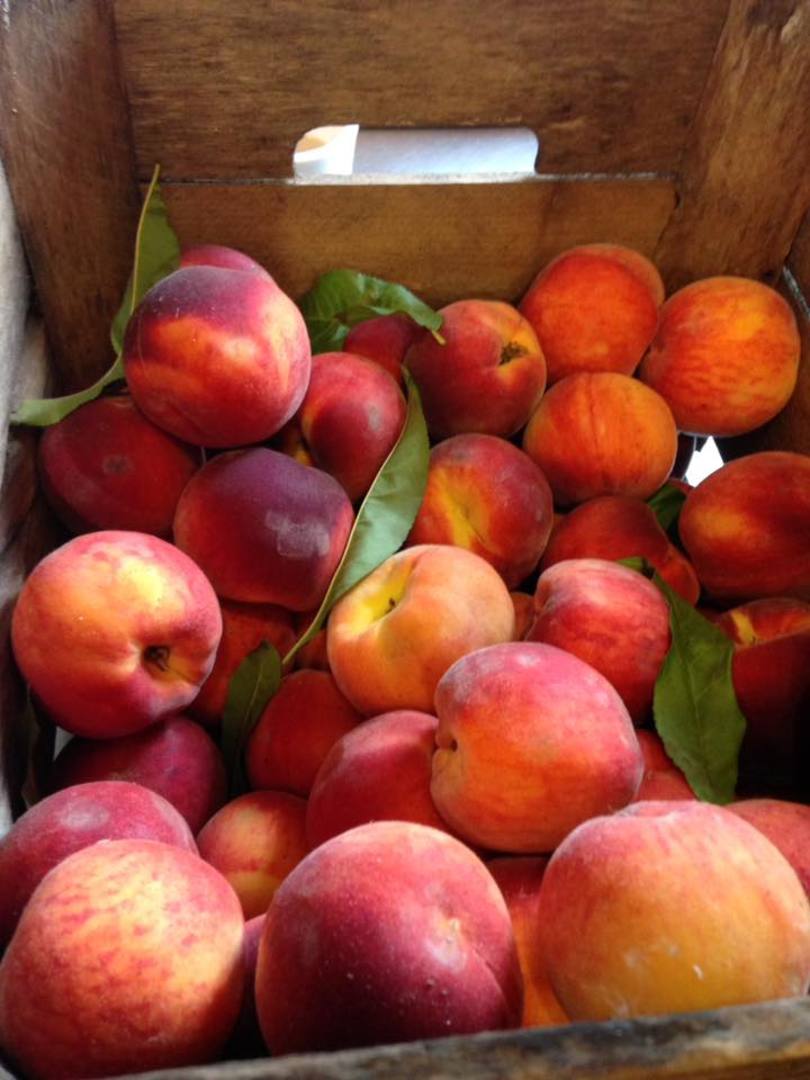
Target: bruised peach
(385,340)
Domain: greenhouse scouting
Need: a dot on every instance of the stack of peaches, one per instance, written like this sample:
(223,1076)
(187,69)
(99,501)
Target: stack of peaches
(459,816)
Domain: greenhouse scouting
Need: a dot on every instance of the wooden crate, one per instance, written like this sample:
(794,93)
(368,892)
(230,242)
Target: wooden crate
(679,127)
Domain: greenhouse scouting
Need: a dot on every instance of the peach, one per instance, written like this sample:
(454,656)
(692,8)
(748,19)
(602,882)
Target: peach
(594,308)
(313,654)
(175,758)
(387,933)
(378,772)
(289,440)
(531,742)
(294,522)
(115,630)
(662,778)
(787,826)
(523,604)
(105,466)
(391,638)
(302,722)
(612,618)
(519,879)
(487,496)
(218,357)
(385,340)
(745,527)
(725,357)
(488,375)
(246,1038)
(226,258)
(627,428)
(244,628)
(128,957)
(351,417)
(254,841)
(71,820)
(619,527)
(671,907)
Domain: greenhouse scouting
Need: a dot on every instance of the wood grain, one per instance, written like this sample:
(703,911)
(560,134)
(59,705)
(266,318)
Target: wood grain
(443,240)
(607,85)
(65,139)
(745,179)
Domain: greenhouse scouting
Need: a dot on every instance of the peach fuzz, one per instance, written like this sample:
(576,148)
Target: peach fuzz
(293,520)
(627,428)
(612,618)
(105,466)
(725,357)
(74,819)
(594,308)
(391,638)
(620,527)
(662,778)
(302,722)
(488,375)
(378,772)
(385,340)
(244,628)
(175,758)
(531,742)
(254,841)
(487,496)
(217,357)
(114,631)
(786,825)
(351,417)
(671,907)
(387,933)
(519,879)
(128,957)
(745,527)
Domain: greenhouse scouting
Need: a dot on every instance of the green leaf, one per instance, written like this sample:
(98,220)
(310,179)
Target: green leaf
(667,503)
(340,299)
(252,686)
(157,253)
(637,563)
(386,514)
(694,706)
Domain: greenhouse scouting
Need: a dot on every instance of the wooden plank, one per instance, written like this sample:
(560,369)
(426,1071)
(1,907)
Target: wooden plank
(799,259)
(65,139)
(443,240)
(745,180)
(608,85)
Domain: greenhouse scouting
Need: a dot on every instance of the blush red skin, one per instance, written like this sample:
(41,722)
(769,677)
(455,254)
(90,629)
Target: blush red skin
(662,778)
(225,258)
(385,340)
(105,466)
(787,826)
(278,504)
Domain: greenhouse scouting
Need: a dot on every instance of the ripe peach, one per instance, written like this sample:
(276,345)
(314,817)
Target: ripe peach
(217,357)
(73,819)
(627,428)
(619,527)
(128,957)
(389,932)
(519,879)
(115,630)
(612,618)
(787,826)
(594,308)
(385,340)
(244,628)
(662,778)
(725,357)
(105,466)
(293,525)
(487,376)
(226,258)
(671,907)
(302,722)
(487,496)
(745,527)
(246,1038)
(392,637)
(351,417)
(523,604)
(175,758)
(378,772)
(254,841)
(313,654)
(531,742)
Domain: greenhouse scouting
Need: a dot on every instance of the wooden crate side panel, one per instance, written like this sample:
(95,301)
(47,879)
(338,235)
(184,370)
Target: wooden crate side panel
(444,241)
(799,258)
(608,85)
